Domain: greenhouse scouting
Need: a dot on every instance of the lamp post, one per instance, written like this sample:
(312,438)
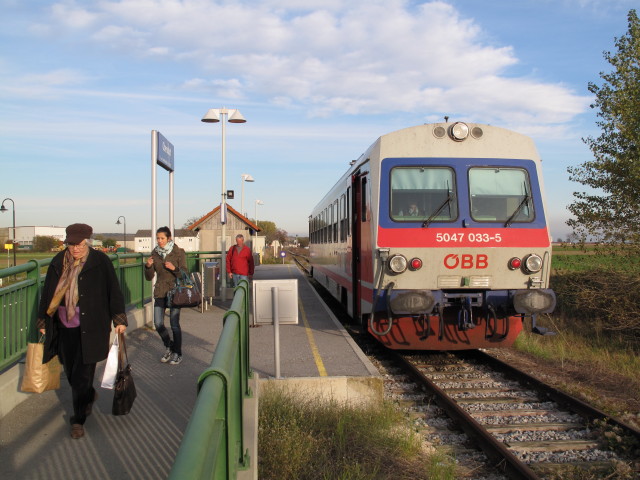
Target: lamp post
(255,244)
(124,220)
(4,209)
(245,178)
(230,115)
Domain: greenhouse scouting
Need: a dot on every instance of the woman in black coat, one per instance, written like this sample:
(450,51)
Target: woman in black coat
(80,300)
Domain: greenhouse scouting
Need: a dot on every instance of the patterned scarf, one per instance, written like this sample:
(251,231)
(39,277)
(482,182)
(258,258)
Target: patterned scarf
(67,287)
(163,252)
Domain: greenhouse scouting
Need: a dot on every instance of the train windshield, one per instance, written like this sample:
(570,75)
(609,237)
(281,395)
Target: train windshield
(419,193)
(500,195)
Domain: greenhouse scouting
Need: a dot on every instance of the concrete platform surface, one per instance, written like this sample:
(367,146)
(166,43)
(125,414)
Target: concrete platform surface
(34,436)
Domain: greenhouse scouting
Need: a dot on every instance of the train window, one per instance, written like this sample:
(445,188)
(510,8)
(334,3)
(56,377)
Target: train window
(421,193)
(335,221)
(500,195)
(348,211)
(363,201)
(343,219)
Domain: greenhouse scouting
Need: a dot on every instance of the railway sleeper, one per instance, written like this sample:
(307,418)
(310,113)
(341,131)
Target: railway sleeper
(553,445)
(601,468)
(472,400)
(479,390)
(524,412)
(534,427)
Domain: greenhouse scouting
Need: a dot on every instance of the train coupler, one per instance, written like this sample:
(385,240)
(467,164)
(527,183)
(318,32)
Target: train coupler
(465,315)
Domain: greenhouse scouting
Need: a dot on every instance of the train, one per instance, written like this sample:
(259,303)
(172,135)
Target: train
(436,238)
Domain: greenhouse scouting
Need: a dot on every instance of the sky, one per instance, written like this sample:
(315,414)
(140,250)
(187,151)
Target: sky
(83,84)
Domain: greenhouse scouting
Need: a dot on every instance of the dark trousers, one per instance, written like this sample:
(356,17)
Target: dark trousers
(79,374)
(160,304)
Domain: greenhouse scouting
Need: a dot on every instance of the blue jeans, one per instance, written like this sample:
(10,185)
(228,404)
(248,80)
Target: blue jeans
(160,305)
(237,278)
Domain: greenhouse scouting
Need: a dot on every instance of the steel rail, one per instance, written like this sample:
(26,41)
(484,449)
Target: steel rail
(503,459)
(571,403)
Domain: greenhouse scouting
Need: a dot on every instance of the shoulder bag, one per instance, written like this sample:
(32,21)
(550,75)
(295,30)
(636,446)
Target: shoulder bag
(124,390)
(185,293)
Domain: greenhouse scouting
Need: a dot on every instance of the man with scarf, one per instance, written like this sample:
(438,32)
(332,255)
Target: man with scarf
(80,300)
(166,261)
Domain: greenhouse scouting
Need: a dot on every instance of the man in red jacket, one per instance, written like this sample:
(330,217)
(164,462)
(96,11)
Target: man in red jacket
(239,261)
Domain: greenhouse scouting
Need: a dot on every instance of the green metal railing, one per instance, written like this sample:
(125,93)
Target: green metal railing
(213,445)
(19,299)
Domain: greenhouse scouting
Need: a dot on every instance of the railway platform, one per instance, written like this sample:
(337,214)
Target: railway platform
(317,356)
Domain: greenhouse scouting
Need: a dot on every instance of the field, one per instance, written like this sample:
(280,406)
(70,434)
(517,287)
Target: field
(597,321)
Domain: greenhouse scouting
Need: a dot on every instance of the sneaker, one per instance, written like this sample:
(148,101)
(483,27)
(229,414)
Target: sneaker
(167,355)
(175,359)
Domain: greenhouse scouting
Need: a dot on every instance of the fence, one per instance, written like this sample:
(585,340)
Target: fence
(213,445)
(19,300)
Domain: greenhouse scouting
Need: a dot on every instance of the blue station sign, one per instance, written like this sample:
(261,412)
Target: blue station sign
(165,153)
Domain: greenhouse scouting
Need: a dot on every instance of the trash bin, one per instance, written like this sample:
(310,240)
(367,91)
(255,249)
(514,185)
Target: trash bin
(211,279)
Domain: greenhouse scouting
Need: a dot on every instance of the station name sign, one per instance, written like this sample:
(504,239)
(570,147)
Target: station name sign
(165,153)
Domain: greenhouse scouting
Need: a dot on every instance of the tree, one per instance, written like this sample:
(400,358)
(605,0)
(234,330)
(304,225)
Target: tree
(43,243)
(268,230)
(191,220)
(611,215)
(108,243)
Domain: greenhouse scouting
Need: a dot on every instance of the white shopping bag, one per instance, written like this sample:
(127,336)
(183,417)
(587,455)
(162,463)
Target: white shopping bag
(111,368)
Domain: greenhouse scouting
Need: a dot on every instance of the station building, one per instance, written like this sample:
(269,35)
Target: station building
(209,229)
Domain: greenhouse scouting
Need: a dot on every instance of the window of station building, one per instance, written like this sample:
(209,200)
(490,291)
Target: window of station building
(500,194)
(419,193)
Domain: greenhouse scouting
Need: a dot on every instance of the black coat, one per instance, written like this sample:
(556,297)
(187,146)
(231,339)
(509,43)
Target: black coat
(100,300)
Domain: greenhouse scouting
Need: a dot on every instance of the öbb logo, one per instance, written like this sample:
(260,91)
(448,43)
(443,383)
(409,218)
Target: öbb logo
(466,260)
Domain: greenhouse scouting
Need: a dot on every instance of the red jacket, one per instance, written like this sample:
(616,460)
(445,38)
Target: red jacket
(240,263)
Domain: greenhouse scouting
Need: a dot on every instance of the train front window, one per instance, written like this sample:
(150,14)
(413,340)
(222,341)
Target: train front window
(500,195)
(421,193)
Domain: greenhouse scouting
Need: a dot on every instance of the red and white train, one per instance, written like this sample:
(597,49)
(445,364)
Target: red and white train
(437,238)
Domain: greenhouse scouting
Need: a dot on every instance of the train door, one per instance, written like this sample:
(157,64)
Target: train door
(358,212)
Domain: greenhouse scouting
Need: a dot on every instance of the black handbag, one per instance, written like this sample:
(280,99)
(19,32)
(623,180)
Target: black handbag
(124,390)
(185,293)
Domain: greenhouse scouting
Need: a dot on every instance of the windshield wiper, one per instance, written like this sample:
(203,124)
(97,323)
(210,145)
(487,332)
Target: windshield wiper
(524,201)
(438,210)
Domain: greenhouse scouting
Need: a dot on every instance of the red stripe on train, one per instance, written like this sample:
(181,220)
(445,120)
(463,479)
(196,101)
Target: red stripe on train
(463,237)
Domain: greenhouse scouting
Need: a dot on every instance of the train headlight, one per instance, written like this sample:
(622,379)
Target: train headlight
(459,131)
(533,263)
(534,301)
(415,264)
(397,263)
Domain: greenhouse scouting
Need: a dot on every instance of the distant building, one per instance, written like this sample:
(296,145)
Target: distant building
(184,238)
(210,230)
(25,235)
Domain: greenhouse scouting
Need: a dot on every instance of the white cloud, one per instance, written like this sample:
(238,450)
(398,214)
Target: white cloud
(357,57)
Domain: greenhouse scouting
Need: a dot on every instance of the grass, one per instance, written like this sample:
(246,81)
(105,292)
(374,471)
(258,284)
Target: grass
(311,438)
(602,355)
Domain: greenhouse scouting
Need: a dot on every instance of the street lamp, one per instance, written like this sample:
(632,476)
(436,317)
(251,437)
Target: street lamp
(231,115)
(255,244)
(245,178)
(124,220)
(4,209)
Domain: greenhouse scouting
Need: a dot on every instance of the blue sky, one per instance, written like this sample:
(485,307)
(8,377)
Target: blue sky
(82,84)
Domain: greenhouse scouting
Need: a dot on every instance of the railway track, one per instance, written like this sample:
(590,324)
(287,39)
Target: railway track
(527,429)
(499,422)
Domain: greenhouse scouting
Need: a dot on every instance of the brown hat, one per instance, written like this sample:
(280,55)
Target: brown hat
(78,232)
